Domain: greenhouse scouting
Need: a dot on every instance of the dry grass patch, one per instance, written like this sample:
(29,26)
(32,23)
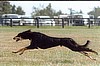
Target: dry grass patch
(56,56)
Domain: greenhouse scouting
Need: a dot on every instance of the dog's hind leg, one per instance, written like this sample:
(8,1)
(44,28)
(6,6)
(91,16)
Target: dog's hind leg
(90,50)
(86,54)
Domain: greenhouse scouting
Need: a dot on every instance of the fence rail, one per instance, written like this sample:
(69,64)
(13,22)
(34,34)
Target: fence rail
(57,21)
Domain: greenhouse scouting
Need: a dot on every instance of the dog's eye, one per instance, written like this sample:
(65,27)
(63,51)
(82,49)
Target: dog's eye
(18,35)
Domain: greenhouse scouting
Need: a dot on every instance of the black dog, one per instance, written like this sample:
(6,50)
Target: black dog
(40,40)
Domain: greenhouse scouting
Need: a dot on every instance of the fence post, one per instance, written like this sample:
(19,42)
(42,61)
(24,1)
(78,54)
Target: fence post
(11,23)
(1,21)
(89,23)
(37,22)
(62,22)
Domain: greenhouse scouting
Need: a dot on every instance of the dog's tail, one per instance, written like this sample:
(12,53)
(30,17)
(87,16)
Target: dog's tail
(87,43)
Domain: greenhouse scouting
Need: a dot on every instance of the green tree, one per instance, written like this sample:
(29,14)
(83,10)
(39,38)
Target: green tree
(80,12)
(59,12)
(19,11)
(95,12)
(47,11)
(13,9)
(5,6)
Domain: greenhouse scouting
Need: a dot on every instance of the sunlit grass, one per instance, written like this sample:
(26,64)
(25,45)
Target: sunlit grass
(56,56)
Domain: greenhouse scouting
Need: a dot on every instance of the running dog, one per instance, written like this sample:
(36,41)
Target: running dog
(40,40)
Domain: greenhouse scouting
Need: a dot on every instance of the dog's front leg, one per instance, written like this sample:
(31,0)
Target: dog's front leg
(23,51)
(17,51)
(20,50)
(86,54)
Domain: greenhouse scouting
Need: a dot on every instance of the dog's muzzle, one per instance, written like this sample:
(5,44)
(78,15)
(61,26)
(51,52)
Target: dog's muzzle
(17,38)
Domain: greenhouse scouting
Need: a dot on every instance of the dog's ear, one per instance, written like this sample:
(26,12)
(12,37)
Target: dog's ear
(29,30)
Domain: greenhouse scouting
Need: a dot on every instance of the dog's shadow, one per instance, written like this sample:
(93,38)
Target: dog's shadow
(62,61)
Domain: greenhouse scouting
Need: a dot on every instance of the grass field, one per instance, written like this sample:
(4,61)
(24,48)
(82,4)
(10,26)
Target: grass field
(56,56)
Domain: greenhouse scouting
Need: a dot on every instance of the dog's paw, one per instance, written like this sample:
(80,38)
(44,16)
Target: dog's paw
(14,52)
(94,59)
(20,53)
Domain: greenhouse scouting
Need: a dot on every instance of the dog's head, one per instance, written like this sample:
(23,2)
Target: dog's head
(22,35)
